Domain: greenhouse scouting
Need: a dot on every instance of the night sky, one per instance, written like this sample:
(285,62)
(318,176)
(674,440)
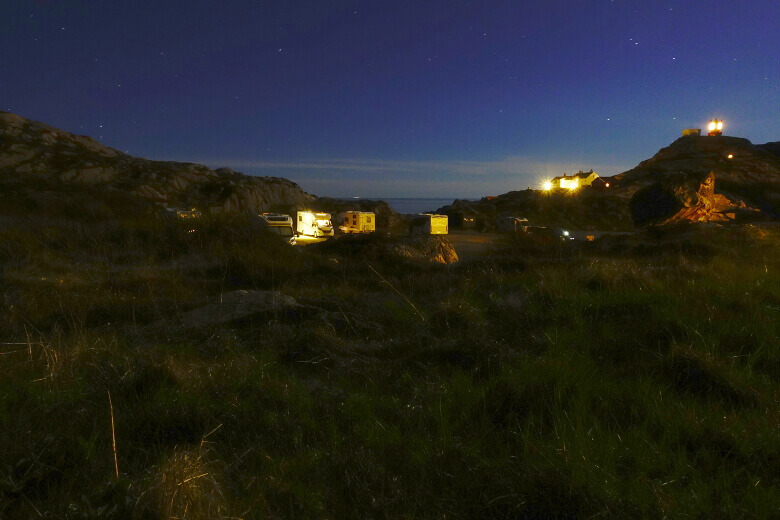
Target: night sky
(394,98)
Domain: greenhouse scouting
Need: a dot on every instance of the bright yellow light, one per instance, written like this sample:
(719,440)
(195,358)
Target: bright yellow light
(607,185)
(720,125)
(712,126)
(571,184)
(547,186)
(730,156)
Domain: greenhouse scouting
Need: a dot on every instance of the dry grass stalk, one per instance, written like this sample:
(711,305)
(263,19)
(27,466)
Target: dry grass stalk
(113,434)
(402,295)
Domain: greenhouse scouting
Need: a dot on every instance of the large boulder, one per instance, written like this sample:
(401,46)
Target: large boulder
(425,249)
(682,197)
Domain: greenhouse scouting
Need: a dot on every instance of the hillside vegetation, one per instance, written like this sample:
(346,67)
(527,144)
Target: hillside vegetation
(42,163)
(634,377)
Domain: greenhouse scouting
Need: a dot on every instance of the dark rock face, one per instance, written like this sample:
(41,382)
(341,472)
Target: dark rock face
(648,203)
(33,151)
(773,147)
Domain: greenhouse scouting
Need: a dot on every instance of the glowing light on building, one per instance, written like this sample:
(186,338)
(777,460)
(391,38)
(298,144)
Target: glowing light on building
(547,185)
(715,127)
(570,184)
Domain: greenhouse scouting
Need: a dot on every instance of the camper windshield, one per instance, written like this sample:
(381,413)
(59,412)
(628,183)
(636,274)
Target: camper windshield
(324,223)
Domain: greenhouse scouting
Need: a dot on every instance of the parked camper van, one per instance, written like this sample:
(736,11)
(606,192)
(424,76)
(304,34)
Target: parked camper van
(279,224)
(357,222)
(314,224)
(429,224)
(510,224)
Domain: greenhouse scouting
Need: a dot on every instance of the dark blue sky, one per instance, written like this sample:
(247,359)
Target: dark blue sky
(394,98)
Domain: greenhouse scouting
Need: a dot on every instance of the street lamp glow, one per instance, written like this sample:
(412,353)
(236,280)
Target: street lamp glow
(547,185)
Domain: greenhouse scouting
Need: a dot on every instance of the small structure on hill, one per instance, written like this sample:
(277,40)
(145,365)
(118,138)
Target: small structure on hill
(577,180)
(691,131)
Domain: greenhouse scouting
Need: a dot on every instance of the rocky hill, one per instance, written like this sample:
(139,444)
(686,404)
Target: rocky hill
(38,161)
(705,178)
(695,179)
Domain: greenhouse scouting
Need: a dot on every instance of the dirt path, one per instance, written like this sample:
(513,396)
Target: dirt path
(474,245)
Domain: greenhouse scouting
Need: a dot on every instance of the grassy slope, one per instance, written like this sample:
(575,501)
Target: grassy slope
(613,381)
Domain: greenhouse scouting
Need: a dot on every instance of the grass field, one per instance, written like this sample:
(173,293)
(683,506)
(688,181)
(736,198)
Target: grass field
(628,378)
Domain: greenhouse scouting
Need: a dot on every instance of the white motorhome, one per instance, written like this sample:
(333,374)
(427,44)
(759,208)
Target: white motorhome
(279,224)
(357,222)
(429,224)
(314,224)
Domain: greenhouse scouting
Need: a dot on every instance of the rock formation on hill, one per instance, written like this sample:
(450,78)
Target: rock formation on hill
(704,178)
(46,159)
(695,179)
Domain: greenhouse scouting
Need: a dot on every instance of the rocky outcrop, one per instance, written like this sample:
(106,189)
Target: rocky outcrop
(704,178)
(33,151)
(683,197)
(729,158)
(425,249)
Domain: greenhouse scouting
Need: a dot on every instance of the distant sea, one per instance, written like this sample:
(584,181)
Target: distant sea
(412,206)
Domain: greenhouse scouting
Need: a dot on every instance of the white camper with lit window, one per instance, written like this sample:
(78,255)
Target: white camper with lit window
(279,224)
(429,224)
(357,222)
(314,224)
